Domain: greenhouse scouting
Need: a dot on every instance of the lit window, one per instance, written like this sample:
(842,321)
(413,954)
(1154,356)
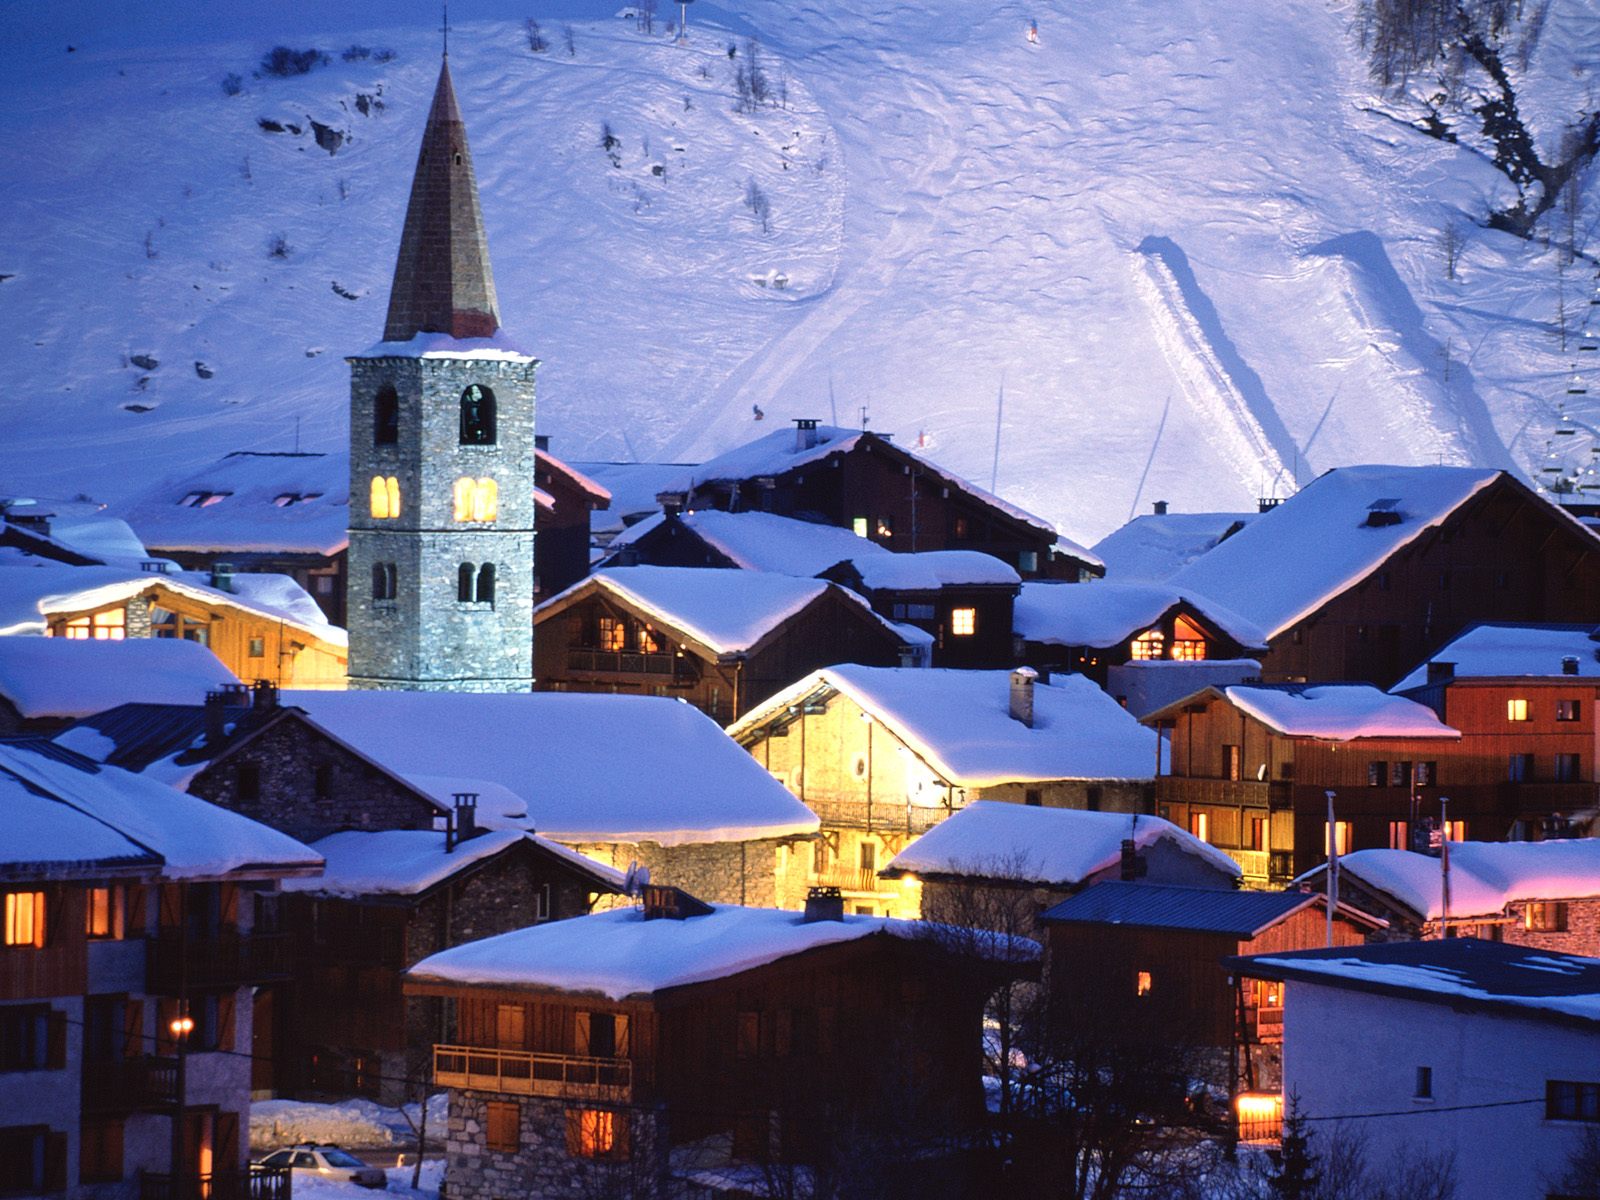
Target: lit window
(105,912)
(591,1132)
(1546,916)
(1341,834)
(109,626)
(859,527)
(963,621)
(476,499)
(1200,825)
(1569,710)
(1399,835)
(1142,986)
(613,634)
(649,642)
(1516,710)
(1454,831)
(25,919)
(1148,645)
(1188,643)
(385,497)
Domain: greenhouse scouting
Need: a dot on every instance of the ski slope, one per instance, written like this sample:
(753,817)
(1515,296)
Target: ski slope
(1184,238)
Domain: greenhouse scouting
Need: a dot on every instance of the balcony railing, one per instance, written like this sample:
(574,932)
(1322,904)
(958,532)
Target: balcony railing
(881,814)
(258,1183)
(621,662)
(1246,793)
(130,1084)
(223,961)
(523,1073)
(850,879)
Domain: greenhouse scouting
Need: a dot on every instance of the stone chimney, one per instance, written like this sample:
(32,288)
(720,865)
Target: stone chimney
(1441,672)
(1022,680)
(805,433)
(222,576)
(463,820)
(823,904)
(264,695)
(1160,507)
(1569,664)
(216,717)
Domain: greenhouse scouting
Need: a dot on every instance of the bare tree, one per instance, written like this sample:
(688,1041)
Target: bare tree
(1579,1176)
(1451,243)
(569,40)
(756,201)
(536,41)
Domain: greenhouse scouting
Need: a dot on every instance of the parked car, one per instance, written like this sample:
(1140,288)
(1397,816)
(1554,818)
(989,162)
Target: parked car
(326,1161)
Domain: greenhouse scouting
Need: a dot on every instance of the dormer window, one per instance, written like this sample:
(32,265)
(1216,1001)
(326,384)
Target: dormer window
(290,499)
(203,499)
(477,416)
(476,499)
(1148,646)
(1188,643)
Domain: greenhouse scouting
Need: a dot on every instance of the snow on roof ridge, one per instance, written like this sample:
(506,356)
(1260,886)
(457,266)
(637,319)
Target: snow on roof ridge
(1514,650)
(1131,607)
(1314,710)
(69,677)
(497,347)
(562,466)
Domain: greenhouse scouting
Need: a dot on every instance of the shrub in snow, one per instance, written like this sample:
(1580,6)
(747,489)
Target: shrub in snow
(568,40)
(278,246)
(758,204)
(232,85)
(611,144)
(286,63)
(536,41)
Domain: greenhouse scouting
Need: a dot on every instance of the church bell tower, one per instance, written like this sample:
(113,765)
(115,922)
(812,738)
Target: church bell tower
(442,453)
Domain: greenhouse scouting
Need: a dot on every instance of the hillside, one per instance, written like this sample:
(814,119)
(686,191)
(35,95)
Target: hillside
(1184,240)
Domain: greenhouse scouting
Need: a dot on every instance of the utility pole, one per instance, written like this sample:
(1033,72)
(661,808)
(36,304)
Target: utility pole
(1333,866)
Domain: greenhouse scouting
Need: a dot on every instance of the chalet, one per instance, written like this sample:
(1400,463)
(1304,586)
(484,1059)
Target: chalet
(1251,766)
(960,598)
(633,487)
(883,755)
(1499,1045)
(863,481)
(130,954)
(260,626)
(47,683)
(279,512)
(1010,860)
(1154,547)
(722,640)
(1371,569)
(658,1043)
(385,901)
(1526,699)
(621,779)
(750,541)
(1159,947)
(1095,630)
(1540,894)
(561,523)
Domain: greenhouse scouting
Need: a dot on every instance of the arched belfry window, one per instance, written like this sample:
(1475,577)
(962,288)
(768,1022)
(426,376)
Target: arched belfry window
(475,584)
(385,498)
(477,416)
(384,580)
(466,575)
(476,499)
(486,584)
(385,417)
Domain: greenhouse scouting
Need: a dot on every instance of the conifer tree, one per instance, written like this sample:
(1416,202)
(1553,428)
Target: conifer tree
(1297,1174)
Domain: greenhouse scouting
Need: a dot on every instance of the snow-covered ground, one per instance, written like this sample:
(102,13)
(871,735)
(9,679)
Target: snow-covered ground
(1180,237)
(312,1188)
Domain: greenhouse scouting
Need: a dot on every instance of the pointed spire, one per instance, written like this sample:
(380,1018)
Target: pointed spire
(442,279)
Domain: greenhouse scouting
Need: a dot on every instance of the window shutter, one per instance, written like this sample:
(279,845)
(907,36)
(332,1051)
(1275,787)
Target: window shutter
(227,1143)
(56,1051)
(580,1036)
(230,904)
(133,1029)
(55,1161)
(137,918)
(170,905)
(619,1126)
(575,1129)
(226,1024)
(624,1045)
(166,1014)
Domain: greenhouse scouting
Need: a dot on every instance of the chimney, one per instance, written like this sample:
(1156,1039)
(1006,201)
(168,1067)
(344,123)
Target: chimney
(216,717)
(264,695)
(671,502)
(463,820)
(823,904)
(1441,672)
(1160,507)
(541,441)
(1569,664)
(805,433)
(1133,867)
(908,656)
(222,576)
(1022,680)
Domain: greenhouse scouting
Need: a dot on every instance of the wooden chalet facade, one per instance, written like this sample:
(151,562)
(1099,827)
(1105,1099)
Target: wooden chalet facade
(967,613)
(806,1055)
(605,636)
(1259,792)
(881,490)
(1427,552)
(561,526)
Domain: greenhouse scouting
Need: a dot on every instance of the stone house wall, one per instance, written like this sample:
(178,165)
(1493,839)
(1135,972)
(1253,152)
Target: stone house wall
(716,872)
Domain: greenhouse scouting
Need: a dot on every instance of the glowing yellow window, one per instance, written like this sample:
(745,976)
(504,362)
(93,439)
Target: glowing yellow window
(25,919)
(1342,837)
(649,642)
(1143,986)
(1516,710)
(858,526)
(385,497)
(963,621)
(613,634)
(1188,643)
(591,1133)
(476,499)
(104,917)
(1148,645)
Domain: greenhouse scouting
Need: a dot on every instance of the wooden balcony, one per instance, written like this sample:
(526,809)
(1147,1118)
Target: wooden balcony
(523,1073)
(127,1085)
(850,879)
(620,662)
(224,961)
(258,1183)
(1541,798)
(1239,793)
(883,815)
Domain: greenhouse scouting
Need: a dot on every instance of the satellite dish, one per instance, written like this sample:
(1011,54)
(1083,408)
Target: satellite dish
(636,880)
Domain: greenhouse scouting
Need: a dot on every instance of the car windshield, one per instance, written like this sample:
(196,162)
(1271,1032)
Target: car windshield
(279,1159)
(338,1158)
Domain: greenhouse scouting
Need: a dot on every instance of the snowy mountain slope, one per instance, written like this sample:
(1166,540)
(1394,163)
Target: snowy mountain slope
(1183,238)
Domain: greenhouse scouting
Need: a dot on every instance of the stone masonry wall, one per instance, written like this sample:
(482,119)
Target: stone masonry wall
(716,872)
(541,1165)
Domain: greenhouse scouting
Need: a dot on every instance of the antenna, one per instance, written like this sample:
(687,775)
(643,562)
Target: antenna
(999,413)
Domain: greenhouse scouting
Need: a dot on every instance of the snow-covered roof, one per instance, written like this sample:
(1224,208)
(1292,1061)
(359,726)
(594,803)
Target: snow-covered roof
(596,492)
(1140,905)
(619,954)
(1484,876)
(574,767)
(31,594)
(249,502)
(960,723)
(408,862)
(780,452)
(929,570)
(1055,847)
(1460,972)
(728,611)
(1335,712)
(1155,547)
(1148,685)
(1293,559)
(1515,652)
(633,487)
(54,799)
(63,677)
(1106,613)
(97,535)
(497,347)
(758,541)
